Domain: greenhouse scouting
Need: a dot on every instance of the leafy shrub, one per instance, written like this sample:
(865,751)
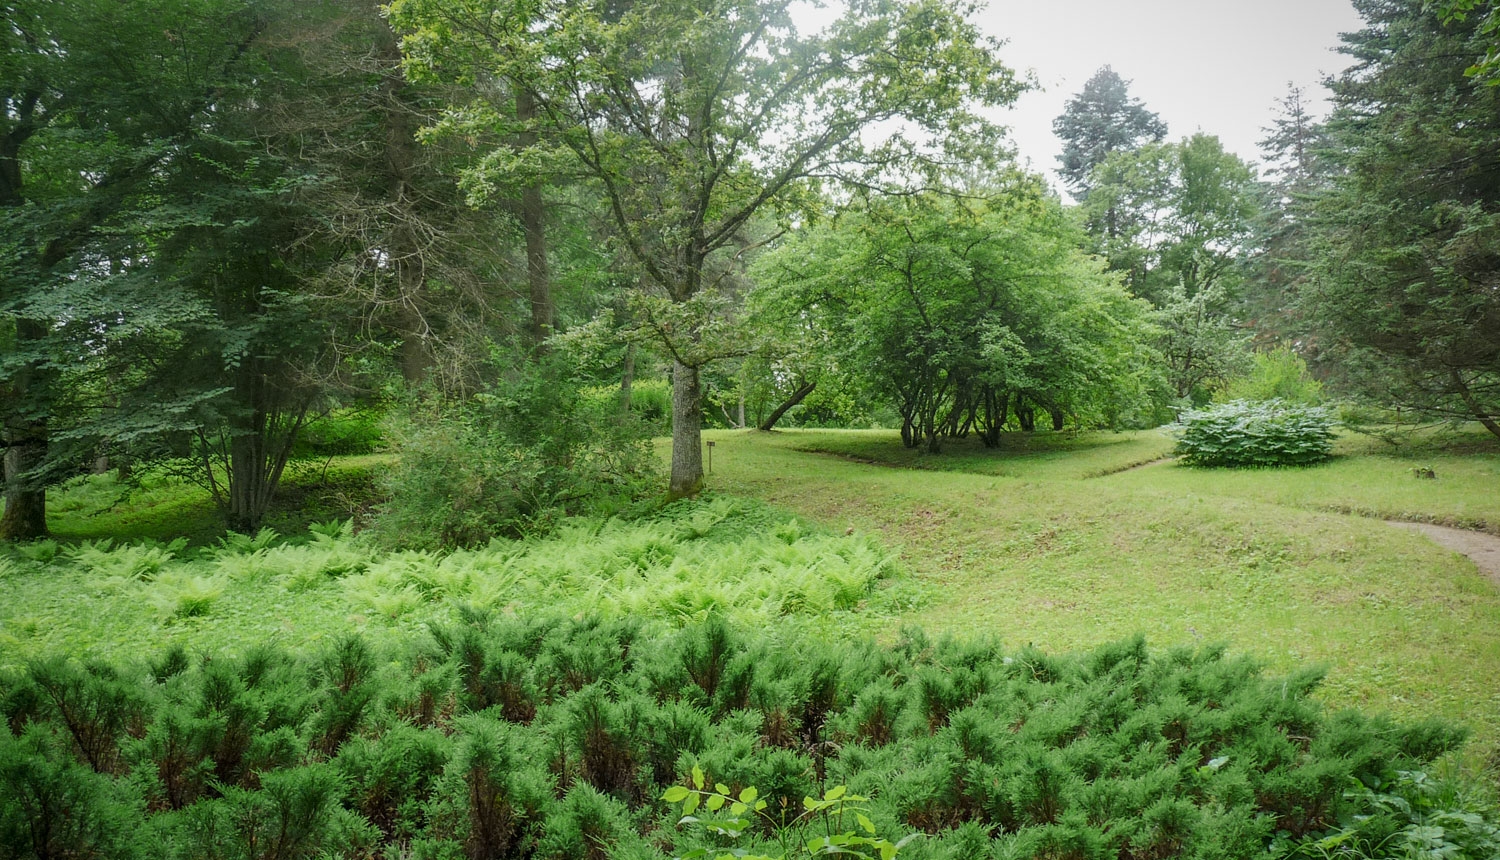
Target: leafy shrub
(1121,752)
(1412,815)
(509,463)
(1241,434)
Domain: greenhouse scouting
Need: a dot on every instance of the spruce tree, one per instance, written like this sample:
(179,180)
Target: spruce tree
(1101,119)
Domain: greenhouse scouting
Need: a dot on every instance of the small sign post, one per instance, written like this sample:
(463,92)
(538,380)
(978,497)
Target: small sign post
(710,456)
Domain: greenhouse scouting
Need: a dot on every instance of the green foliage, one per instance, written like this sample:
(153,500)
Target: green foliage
(731,815)
(764,740)
(1487,16)
(685,561)
(508,463)
(650,404)
(1277,374)
(1412,815)
(1241,434)
(967,317)
(1398,295)
(343,432)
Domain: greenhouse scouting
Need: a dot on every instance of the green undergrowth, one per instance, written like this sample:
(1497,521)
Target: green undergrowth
(158,504)
(510,737)
(740,558)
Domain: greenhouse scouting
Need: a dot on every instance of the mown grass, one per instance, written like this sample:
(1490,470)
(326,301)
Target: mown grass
(1023,544)
(1368,477)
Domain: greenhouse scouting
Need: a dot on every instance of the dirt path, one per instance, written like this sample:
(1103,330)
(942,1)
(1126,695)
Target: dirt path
(1483,549)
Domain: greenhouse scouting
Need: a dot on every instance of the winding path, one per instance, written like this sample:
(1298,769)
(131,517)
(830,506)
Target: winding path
(1483,549)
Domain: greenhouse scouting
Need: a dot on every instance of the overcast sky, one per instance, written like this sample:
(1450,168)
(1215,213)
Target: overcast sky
(1212,66)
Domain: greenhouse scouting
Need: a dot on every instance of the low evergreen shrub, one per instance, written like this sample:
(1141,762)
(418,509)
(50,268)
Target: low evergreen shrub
(510,737)
(1243,434)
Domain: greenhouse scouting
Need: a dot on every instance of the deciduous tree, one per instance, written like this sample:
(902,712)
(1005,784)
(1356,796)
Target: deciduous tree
(689,117)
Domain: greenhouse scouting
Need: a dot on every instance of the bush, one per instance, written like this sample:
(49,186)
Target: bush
(509,463)
(1121,752)
(1241,434)
(1279,374)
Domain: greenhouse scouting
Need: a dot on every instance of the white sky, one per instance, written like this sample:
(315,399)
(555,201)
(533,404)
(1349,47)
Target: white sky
(1211,66)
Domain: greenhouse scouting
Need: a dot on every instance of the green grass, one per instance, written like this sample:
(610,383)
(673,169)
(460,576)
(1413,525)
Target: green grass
(1042,456)
(1053,539)
(1022,544)
(1366,477)
(159,506)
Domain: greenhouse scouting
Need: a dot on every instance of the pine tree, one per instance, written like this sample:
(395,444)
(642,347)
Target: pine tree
(1101,119)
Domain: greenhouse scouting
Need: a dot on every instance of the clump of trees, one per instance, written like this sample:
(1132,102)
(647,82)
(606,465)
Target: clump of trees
(1403,236)
(240,214)
(965,314)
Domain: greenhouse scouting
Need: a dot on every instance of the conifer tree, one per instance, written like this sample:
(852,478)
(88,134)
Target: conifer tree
(1103,118)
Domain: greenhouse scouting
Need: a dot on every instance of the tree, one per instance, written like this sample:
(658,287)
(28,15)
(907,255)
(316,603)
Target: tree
(965,315)
(1102,119)
(1405,294)
(690,118)
(1296,168)
(87,123)
(1179,219)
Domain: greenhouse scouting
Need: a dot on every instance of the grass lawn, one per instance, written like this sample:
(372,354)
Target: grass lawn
(1047,541)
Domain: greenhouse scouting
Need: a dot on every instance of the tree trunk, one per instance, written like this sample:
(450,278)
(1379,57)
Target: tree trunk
(1057,417)
(416,356)
(687,432)
(797,397)
(25,516)
(627,379)
(1480,414)
(259,448)
(247,481)
(402,158)
(533,215)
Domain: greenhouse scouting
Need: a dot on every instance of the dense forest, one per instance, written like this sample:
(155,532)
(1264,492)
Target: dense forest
(496,276)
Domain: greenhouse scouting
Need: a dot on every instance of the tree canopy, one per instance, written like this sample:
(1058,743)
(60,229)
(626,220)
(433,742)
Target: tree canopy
(691,118)
(1101,120)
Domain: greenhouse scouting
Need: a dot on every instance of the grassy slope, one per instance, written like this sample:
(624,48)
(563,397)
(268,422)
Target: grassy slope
(1026,546)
